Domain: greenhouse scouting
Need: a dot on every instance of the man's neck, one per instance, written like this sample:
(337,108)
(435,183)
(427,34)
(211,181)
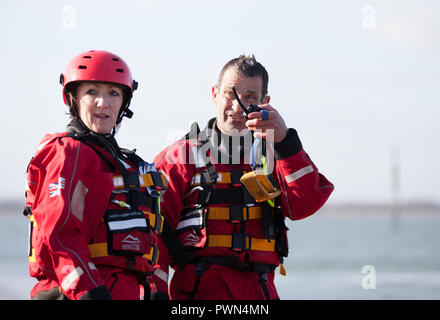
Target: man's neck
(232,149)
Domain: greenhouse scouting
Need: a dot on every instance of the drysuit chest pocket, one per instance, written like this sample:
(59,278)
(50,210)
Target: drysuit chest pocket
(128,233)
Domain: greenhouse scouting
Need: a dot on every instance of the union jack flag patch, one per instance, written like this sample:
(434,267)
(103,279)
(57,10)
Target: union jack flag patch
(55,188)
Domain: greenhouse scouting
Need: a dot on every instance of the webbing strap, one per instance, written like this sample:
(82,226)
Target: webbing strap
(137,199)
(262,278)
(150,179)
(239,242)
(235,213)
(223,178)
(232,195)
(156,222)
(234,263)
(100,250)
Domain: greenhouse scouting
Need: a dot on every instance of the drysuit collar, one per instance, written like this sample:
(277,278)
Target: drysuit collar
(232,149)
(107,141)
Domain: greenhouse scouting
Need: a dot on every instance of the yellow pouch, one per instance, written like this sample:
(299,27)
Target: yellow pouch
(259,186)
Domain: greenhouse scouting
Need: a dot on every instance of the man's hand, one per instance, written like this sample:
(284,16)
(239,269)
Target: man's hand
(274,122)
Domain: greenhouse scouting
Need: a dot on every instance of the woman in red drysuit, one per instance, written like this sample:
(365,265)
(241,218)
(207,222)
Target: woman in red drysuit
(93,207)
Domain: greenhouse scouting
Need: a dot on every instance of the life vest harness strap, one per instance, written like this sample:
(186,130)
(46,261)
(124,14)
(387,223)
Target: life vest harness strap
(100,250)
(194,218)
(241,207)
(153,180)
(236,195)
(234,263)
(135,198)
(235,214)
(231,178)
(241,242)
(204,263)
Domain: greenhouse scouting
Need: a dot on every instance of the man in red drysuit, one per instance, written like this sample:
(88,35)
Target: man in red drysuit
(235,240)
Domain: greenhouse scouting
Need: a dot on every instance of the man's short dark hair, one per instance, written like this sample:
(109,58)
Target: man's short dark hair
(247,66)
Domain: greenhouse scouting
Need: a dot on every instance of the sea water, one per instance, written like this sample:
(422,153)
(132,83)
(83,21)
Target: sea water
(344,256)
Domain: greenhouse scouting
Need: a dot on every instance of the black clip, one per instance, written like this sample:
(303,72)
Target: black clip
(131,180)
(252,107)
(236,214)
(239,242)
(235,177)
(157,180)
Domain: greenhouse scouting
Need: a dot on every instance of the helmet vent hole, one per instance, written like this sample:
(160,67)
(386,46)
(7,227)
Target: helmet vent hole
(115,59)
(82,67)
(87,57)
(120,70)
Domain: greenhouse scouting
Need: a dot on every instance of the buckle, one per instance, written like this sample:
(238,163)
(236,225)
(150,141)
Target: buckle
(158,223)
(204,196)
(131,180)
(248,199)
(205,179)
(235,178)
(157,180)
(235,214)
(27,211)
(155,254)
(239,242)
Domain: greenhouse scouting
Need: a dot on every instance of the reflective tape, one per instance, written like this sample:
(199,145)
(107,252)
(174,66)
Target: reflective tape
(298,174)
(127,224)
(196,221)
(162,275)
(71,278)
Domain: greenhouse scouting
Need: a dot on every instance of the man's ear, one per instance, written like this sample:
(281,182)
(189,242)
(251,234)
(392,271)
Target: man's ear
(214,93)
(265,100)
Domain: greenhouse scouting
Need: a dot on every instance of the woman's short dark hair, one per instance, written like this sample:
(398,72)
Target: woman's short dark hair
(247,66)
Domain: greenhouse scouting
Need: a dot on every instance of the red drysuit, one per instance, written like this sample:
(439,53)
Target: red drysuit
(89,238)
(234,242)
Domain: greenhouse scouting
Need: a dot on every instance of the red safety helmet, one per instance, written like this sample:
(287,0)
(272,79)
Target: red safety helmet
(100,66)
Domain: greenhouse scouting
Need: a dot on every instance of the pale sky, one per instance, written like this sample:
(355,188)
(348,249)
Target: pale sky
(357,79)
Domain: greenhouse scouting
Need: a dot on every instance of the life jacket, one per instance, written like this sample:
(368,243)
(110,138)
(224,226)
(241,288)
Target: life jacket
(219,199)
(127,237)
(134,220)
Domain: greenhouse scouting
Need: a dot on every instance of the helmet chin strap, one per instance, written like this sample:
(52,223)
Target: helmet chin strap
(125,111)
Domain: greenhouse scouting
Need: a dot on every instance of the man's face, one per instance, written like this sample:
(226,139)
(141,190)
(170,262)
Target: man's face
(230,117)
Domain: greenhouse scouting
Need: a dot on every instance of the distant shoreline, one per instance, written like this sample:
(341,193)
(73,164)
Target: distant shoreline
(419,207)
(416,206)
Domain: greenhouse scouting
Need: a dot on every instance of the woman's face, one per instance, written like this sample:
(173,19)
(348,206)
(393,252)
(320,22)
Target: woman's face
(99,105)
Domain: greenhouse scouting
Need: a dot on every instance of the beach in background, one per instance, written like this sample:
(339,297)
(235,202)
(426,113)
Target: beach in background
(351,253)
